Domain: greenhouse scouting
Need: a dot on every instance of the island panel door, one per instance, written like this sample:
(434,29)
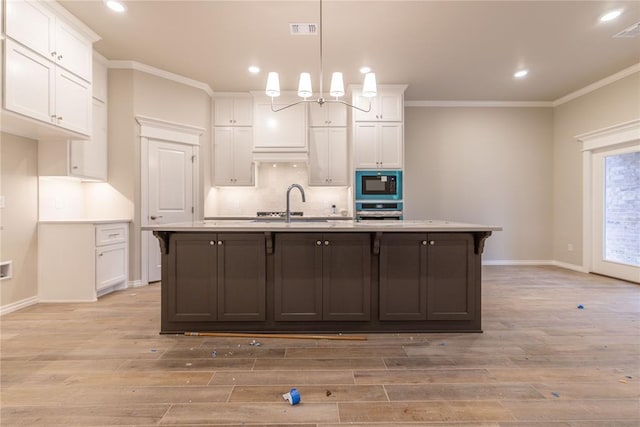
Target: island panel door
(346,273)
(451,285)
(191,278)
(298,276)
(403,276)
(241,277)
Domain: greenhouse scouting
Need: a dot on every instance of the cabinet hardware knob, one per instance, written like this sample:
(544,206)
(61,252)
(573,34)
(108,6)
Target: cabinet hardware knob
(53,54)
(326,243)
(59,117)
(114,235)
(211,242)
(154,217)
(318,242)
(59,56)
(424,243)
(74,167)
(432,242)
(220,242)
(100,254)
(53,117)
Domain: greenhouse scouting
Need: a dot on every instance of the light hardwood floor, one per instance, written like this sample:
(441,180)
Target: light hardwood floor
(541,361)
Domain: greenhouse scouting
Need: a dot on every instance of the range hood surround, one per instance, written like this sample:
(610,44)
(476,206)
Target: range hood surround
(279,137)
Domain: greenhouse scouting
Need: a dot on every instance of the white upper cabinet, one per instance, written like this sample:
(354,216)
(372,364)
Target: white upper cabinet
(32,25)
(329,114)
(378,145)
(29,83)
(73,102)
(37,27)
(386,106)
(233,163)
(100,79)
(328,156)
(89,158)
(233,111)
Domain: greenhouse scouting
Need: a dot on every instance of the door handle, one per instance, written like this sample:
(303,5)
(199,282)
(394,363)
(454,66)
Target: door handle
(153,217)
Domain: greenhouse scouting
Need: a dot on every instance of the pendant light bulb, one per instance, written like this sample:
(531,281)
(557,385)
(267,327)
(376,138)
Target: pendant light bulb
(273,85)
(337,85)
(304,85)
(369,88)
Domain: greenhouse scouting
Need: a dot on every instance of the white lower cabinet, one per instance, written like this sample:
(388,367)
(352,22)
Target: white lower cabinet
(81,260)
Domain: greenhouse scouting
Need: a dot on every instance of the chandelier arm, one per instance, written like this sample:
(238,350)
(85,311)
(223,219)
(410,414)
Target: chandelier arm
(275,110)
(350,105)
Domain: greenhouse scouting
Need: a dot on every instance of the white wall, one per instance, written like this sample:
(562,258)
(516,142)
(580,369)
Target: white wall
(484,165)
(19,217)
(615,103)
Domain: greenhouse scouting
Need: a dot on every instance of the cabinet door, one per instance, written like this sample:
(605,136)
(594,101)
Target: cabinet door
(329,114)
(298,276)
(191,278)
(366,145)
(111,265)
(29,83)
(89,157)
(390,107)
(32,25)
(99,81)
(403,276)
(451,287)
(338,171)
(223,112)
(241,277)
(390,145)
(243,168)
(73,102)
(73,51)
(346,273)
(233,162)
(319,156)
(243,112)
(223,156)
(364,103)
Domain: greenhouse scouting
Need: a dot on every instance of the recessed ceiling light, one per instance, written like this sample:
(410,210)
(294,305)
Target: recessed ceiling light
(116,6)
(610,16)
(365,70)
(254,69)
(520,74)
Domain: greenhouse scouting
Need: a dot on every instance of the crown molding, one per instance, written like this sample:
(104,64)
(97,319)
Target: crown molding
(497,104)
(138,66)
(597,85)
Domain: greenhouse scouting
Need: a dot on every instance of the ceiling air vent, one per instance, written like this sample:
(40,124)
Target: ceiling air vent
(303,29)
(629,32)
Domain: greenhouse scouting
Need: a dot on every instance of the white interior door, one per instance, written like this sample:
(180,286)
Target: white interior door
(170,192)
(616,213)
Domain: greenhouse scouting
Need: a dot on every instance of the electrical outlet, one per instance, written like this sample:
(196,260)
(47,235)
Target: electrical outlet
(570,247)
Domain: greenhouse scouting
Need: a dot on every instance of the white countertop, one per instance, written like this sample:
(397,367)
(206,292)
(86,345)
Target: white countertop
(84,221)
(322,226)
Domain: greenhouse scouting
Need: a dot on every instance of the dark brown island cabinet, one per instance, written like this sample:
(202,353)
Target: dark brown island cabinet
(315,282)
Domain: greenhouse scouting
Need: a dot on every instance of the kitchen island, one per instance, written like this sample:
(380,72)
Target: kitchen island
(321,276)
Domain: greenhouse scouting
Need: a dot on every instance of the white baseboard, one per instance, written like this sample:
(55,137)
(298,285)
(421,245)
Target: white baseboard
(568,266)
(517,262)
(18,305)
(136,283)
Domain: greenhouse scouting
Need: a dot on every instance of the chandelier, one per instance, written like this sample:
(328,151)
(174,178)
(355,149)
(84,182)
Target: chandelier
(336,90)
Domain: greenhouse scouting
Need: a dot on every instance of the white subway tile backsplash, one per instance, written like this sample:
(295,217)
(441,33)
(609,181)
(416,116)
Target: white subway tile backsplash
(270,191)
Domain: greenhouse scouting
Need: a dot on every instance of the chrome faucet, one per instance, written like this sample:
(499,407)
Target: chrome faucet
(288,212)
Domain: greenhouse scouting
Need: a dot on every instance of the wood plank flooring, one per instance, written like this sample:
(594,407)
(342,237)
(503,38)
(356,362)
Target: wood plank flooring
(541,361)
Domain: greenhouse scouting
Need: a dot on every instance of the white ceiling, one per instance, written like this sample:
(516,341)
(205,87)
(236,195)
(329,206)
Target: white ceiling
(444,50)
